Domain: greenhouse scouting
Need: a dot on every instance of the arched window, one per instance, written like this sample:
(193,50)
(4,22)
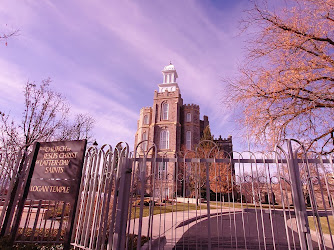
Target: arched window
(188,117)
(164,109)
(164,139)
(145,119)
(188,140)
(143,138)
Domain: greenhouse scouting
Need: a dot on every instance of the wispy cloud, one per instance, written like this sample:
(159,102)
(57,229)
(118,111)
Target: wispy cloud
(107,56)
(12,81)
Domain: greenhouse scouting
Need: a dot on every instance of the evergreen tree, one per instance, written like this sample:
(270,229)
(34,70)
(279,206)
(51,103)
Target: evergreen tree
(207,134)
(206,137)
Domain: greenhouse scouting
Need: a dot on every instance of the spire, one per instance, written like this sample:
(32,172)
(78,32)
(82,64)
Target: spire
(169,73)
(169,79)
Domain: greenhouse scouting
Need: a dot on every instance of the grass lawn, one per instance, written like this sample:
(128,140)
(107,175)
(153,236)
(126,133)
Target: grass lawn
(165,209)
(323,222)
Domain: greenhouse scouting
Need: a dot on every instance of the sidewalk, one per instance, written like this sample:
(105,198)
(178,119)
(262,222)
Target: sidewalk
(171,227)
(238,229)
(314,235)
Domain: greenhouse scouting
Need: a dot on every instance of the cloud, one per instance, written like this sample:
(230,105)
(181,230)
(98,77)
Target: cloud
(114,120)
(107,56)
(12,81)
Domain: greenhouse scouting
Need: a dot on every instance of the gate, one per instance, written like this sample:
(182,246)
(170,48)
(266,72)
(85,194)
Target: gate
(103,201)
(207,198)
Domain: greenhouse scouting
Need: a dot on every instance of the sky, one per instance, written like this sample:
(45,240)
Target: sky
(106,57)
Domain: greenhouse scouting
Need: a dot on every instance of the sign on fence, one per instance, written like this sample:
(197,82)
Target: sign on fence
(54,175)
(57,171)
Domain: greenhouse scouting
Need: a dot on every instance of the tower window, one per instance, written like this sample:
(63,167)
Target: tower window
(188,140)
(145,119)
(188,117)
(156,112)
(162,170)
(165,111)
(143,138)
(164,139)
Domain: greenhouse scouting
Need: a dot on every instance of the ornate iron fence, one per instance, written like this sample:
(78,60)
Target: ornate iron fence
(213,199)
(13,169)
(101,212)
(198,199)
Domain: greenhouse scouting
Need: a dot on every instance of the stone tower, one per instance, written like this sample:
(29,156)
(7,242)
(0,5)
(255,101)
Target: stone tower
(160,124)
(171,126)
(167,103)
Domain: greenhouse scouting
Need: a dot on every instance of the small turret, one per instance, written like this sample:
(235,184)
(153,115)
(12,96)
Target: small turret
(169,74)
(169,79)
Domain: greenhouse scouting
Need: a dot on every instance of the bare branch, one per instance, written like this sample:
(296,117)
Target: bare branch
(8,35)
(286,85)
(45,116)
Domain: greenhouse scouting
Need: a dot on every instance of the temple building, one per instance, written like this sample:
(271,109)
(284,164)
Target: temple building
(172,125)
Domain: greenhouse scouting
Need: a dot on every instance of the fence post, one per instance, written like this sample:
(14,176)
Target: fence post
(298,201)
(208,203)
(26,182)
(122,204)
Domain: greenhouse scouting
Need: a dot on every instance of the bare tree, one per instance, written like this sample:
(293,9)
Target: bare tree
(45,117)
(79,129)
(286,85)
(9,135)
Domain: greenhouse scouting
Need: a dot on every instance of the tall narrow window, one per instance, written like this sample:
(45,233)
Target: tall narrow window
(188,117)
(162,170)
(165,111)
(188,140)
(145,119)
(156,112)
(164,139)
(144,144)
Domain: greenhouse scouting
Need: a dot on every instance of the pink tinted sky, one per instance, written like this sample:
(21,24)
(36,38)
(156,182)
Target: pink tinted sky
(106,57)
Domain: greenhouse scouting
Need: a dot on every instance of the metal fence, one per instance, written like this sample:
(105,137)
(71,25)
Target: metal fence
(201,199)
(208,198)
(99,214)
(13,169)
(253,201)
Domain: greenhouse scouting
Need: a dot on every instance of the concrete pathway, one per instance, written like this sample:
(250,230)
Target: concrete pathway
(314,235)
(41,223)
(28,220)
(169,228)
(229,230)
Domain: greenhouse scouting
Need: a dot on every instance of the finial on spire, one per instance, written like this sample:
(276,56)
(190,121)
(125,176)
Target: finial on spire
(169,67)
(170,62)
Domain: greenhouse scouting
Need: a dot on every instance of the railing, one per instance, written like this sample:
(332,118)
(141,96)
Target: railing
(204,198)
(99,219)
(254,200)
